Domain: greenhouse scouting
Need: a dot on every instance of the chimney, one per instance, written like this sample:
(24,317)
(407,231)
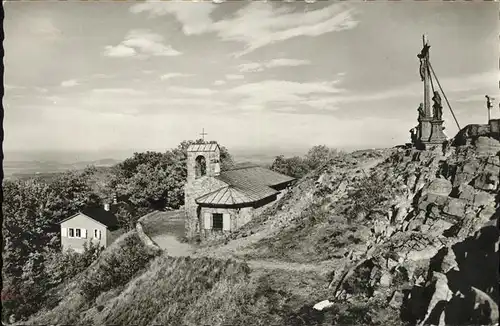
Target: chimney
(106,207)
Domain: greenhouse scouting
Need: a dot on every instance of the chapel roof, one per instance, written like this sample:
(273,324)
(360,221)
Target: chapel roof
(245,185)
(232,195)
(253,174)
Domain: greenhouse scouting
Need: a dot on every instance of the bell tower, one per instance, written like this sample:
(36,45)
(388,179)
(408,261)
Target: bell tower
(203,160)
(203,165)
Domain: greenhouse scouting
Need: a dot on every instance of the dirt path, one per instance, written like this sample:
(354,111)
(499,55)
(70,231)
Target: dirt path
(172,246)
(175,248)
(169,242)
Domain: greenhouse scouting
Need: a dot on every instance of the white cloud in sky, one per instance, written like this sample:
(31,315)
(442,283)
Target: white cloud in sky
(69,83)
(118,91)
(174,75)
(101,76)
(42,26)
(261,24)
(287,63)
(11,87)
(194,17)
(192,91)
(141,42)
(219,82)
(256,25)
(119,51)
(274,95)
(454,87)
(234,77)
(41,89)
(282,62)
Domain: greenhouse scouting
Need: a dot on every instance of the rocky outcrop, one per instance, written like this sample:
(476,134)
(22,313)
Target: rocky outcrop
(462,283)
(434,255)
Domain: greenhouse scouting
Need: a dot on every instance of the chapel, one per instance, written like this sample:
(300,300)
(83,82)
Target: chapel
(220,202)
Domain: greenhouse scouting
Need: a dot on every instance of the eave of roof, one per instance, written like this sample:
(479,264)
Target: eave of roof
(231,196)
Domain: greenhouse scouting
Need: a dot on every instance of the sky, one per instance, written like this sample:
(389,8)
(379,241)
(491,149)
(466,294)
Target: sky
(87,76)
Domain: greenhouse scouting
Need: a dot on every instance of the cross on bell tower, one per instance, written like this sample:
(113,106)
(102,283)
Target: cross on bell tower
(203,134)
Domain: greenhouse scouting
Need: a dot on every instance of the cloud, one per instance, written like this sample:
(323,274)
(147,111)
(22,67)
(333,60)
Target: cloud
(251,67)
(41,89)
(454,87)
(219,82)
(256,67)
(119,51)
(41,26)
(234,77)
(101,76)
(283,86)
(53,99)
(192,91)
(69,83)
(174,75)
(276,95)
(194,17)
(256,25)
(12,87)
(118,91)
(479,98)
(143,43)
(261,24)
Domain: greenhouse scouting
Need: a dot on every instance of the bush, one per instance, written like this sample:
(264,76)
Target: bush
(371,194)
(117,268)
(62,266)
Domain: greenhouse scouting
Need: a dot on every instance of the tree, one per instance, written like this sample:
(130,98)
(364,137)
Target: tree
(154,180)
(72,192)
(31,211)
(319,155)
(294,166)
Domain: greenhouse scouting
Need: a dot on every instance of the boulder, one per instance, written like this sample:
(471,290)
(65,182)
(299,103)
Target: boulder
(396,300)
(486,181)
(440,187)
(466,192)
(487,146)
(482,199)
(487,212)
(323,305)
(455,207)
(385,279)
(438,200)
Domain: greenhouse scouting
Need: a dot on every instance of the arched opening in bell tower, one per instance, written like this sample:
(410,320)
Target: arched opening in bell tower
(201,166)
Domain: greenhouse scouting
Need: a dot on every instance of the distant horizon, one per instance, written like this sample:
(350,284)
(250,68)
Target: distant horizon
(71,156)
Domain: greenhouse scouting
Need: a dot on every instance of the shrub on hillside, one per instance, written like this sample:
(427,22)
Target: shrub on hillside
(371,194)
(117,268)
(62,266)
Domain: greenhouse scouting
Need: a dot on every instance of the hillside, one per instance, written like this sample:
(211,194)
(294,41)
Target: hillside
(397,236)
(418,222)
